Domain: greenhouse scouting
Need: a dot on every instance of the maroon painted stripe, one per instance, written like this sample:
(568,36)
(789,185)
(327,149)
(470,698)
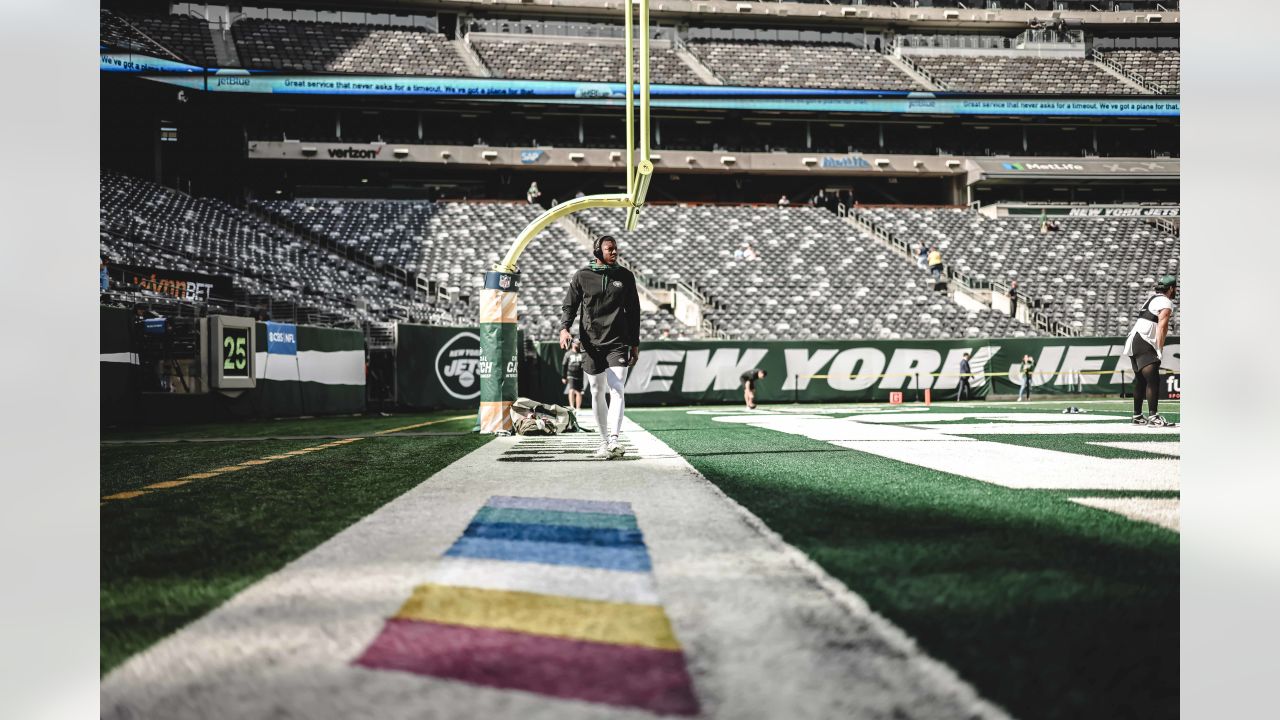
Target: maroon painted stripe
(655,680)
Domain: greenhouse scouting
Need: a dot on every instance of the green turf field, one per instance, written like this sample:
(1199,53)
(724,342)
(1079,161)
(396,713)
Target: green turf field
(1052,609)
(173,554)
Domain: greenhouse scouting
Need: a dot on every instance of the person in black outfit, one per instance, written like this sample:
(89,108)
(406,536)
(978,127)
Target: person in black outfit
(749,379)
(609,331)
(1013,299)
(571,375)
(963,392)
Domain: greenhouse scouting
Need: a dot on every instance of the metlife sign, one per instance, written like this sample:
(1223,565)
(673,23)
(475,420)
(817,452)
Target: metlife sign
(1055,167)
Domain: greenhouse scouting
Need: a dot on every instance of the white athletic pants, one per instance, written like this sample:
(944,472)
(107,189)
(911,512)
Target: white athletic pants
(608,385)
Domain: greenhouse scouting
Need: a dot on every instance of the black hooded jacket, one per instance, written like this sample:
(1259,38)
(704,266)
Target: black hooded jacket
(610,306)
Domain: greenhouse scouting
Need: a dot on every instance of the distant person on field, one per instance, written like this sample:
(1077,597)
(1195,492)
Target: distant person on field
(749,379)
(963,391)
(1145,347)
(935,263)
(1028,367)
(571,374)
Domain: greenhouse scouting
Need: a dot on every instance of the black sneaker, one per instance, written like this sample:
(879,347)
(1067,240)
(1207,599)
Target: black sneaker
(1139,419)
(1158,421)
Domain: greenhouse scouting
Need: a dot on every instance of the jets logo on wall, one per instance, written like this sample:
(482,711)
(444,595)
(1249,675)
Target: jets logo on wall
(456,365)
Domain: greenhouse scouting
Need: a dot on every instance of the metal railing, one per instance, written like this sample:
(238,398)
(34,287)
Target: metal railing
(1101,58)
(1035,317)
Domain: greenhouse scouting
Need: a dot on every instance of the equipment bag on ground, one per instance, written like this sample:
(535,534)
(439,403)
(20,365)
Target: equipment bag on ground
(530,417)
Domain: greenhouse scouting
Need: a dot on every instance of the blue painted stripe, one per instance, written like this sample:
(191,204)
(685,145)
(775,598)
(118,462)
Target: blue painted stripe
(527,503)
(630,558)
(608,537)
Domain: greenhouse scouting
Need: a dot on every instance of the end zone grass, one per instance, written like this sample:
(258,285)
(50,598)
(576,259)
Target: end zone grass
(1050,609)
(172,555)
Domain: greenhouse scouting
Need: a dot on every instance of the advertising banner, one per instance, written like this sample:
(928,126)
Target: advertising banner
(282,338)
(715,97)
(691,372)
(188,286)
(437,367)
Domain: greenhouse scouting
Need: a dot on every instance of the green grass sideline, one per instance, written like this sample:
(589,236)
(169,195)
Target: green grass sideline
(169,557)
(1050,609)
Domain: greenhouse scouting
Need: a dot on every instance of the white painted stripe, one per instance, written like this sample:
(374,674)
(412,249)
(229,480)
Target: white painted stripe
(342,367)
(1116,427)
(1165,512)
(125,357)
(1013,466)
(568,581)
(1173,449)
(1014,417)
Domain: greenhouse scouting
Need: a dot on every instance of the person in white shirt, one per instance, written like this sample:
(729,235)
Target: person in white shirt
(1145,348)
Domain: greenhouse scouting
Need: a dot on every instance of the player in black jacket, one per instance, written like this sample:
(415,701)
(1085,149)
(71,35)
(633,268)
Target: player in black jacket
(609,331)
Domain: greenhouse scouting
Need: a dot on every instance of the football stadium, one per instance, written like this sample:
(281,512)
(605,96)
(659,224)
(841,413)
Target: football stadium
(596,359)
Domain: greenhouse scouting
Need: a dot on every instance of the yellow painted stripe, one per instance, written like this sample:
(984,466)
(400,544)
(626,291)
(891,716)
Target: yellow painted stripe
(199,476)
(421,424)
(552,615)
(125,495)
(250,463)
(227,469)
(166,484)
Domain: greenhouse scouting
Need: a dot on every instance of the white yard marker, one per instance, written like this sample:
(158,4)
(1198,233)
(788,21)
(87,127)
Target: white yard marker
(1173,449)
(945,448)
(1159,511)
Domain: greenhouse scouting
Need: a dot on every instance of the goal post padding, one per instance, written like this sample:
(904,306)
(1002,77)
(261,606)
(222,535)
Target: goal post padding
(499,350)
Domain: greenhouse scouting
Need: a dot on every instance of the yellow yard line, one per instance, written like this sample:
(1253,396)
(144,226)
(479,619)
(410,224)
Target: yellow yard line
(130,494)
(423,424)
(166,484)
(125,495)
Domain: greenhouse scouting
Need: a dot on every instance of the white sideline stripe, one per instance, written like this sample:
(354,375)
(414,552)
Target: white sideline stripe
(1164,512)
(576,582)
(1173,449)
(341,367)
(953,417)
(125,357)
(1117,426)
(1013,466)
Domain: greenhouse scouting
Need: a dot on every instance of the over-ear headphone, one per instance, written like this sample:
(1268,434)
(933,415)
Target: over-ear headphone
(599,243)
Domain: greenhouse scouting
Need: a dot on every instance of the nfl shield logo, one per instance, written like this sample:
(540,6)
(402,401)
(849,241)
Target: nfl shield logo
(504,282)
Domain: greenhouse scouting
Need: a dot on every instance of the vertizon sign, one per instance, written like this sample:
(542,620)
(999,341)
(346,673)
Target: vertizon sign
(833,371)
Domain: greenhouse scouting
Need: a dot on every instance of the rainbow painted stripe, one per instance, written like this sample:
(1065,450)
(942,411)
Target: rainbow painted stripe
(549,596)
